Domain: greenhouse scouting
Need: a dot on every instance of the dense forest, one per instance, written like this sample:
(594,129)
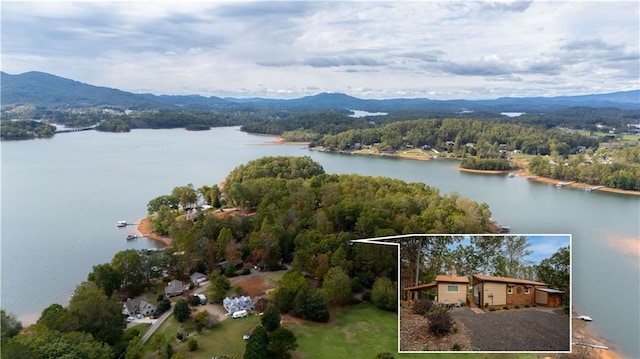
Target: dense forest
(622,172)
(25,129)
(483,139)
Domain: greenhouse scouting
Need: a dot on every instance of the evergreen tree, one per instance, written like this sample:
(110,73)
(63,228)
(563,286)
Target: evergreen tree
(270,318)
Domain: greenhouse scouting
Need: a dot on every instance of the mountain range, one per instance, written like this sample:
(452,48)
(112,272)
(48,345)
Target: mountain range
(45,90)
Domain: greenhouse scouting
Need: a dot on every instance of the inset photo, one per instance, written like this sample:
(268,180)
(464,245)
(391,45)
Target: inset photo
(485,293)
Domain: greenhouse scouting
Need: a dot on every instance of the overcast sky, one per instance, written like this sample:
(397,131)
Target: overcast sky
(433,49)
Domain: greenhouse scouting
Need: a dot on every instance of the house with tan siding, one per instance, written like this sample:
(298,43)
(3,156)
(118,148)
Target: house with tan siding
(450,288)
(492,291)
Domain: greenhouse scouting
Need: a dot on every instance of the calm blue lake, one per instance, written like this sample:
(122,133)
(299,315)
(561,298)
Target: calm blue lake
(61,198)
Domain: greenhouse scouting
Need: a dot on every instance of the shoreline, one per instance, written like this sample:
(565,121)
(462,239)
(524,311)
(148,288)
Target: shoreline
(518,172)
(488,172)
(552,181)
(144,228)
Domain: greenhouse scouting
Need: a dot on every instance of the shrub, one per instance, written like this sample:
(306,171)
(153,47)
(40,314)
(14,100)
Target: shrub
(422,306)
(163,306)
(456,347)
(516,306)
(463,304)
(455,330)
(534,305)
(492,309)
(192,344)
(440,322)
(384,294)
(366,295)
(526,305)
(505,307)
(194,301)
(181,336)
(246,271)
(181,310)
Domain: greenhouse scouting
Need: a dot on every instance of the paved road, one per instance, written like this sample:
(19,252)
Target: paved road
(158,322)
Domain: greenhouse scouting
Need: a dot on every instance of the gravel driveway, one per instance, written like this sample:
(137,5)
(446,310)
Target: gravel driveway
(526,329)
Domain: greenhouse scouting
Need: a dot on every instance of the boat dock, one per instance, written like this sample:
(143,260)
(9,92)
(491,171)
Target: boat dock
(589,189)
(562,184)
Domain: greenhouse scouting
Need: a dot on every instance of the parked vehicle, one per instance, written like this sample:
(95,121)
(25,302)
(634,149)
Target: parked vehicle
(239,314)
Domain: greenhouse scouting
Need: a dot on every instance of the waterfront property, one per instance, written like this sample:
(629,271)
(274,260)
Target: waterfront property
(491,291)
(138,306)
(174,288)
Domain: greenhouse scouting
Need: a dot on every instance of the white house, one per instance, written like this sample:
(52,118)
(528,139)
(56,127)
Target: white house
(236,304)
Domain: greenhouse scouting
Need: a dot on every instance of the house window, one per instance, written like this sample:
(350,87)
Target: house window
(452,288)
(526,290)
(509,290)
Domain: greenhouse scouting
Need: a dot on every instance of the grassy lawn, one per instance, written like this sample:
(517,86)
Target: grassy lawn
(355,332)
(224,339)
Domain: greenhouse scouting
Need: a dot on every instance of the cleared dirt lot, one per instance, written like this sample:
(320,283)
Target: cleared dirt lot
(525,329)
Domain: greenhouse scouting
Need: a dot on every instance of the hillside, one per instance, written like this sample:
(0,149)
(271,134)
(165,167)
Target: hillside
(49,91)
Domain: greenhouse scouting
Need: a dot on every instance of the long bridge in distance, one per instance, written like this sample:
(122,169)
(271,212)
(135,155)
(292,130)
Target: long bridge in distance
(77,129)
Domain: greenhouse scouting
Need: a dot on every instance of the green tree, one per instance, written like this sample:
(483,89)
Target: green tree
(96,313)
(270,318)
(168,201)
(337,286)
(281,342)
(187,195)
(555,271)
(224,239)
(41,342)
(129,264)
(135,349)
(257,345)
(57,317)
(219,286)
(181,310)
(384,294)
(9,326)
(106,277)
(192,344)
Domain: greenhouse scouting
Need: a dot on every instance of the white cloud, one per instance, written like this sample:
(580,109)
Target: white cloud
(436,49)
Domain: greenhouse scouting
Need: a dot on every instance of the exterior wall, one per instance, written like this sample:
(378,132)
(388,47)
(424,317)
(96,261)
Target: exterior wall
(452,297)
(541,297)
(548,299)
(477,293)
(499,291)
(520,298)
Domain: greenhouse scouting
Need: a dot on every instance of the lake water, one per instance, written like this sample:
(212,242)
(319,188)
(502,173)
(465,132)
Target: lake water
(61,198)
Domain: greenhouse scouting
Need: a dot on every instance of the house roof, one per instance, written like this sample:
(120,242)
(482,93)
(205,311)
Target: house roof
(197,275)
(452,278)
(134,305)
(175,286)
(488,278)
(422,286)
(549,290)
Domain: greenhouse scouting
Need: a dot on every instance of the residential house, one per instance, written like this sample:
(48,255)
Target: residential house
(235,304)
(197,278)
(490,290)
(138,306)
(450,289)
(174,288)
